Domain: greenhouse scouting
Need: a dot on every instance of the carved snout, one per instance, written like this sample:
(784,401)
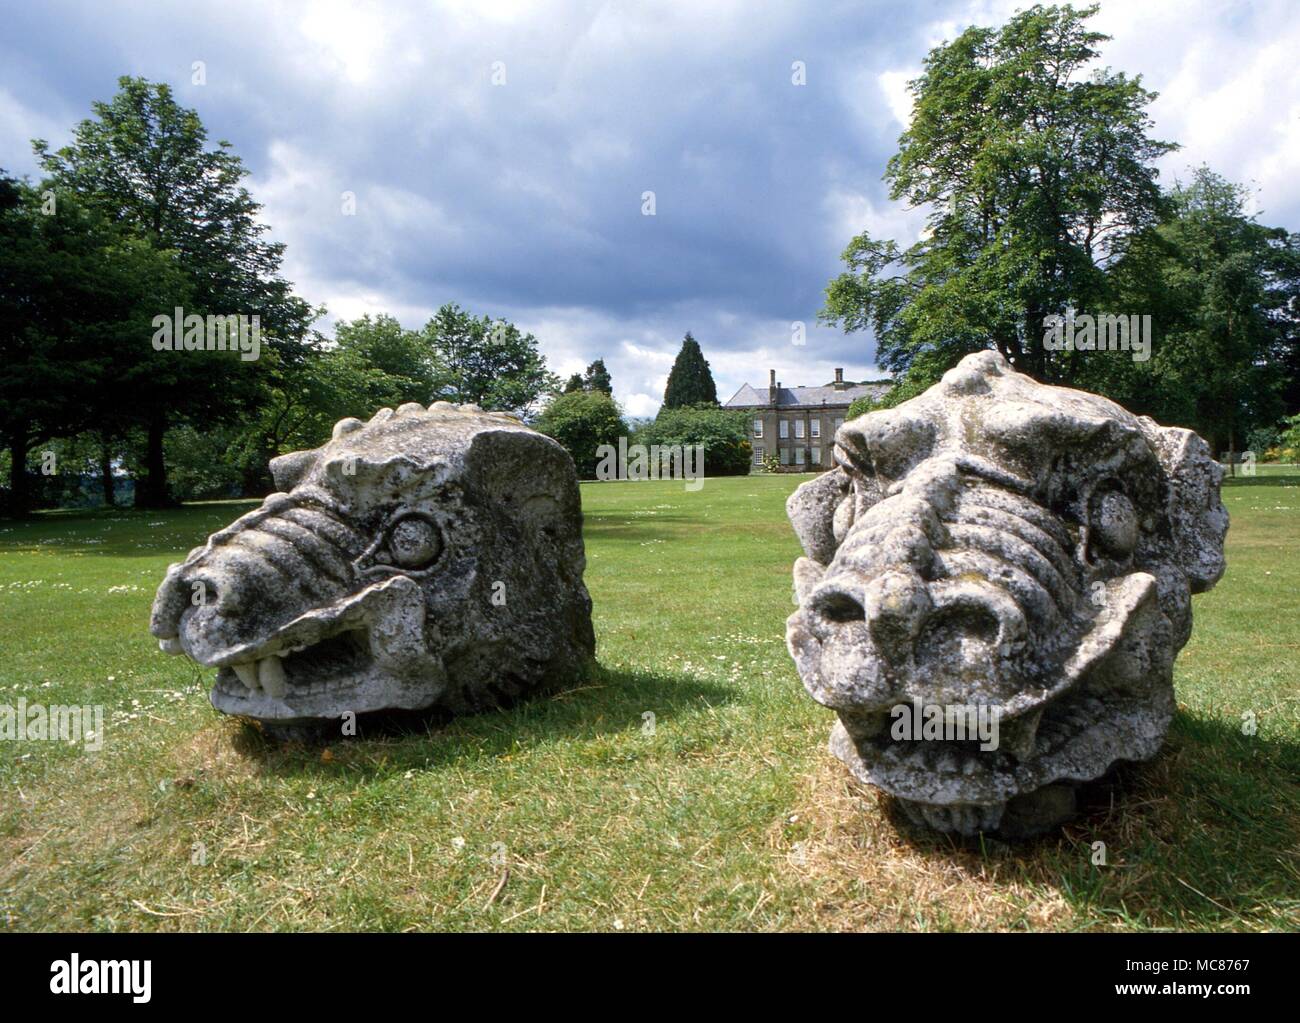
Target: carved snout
(893,606)
(895,630)
(251,578)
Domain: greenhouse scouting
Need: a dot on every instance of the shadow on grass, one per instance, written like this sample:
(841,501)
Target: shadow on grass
(177,530)
(630,526)
(1204,835)
(610,702)
(121,532)
(1269,480)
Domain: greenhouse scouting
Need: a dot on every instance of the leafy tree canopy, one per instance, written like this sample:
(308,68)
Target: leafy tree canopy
(723,432)
(1223,294)
(1031,170)
(597,378)
(143,162)
(582,421)
(486,362)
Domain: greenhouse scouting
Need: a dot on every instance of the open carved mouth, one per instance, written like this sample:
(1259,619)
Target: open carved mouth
(333,665)
(1017,741)
(956,786)
(1090,718)
(303,668)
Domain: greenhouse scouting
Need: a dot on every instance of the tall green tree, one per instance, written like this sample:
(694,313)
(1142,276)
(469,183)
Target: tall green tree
(597,378)
(574,384)
(76,291)
(486,362)
(1221,290)
(144,161)
(690,382)
(1031,170)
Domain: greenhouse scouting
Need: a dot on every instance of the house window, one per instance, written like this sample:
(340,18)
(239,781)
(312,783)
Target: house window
(758,427)
(798,429)
(785,456)
(758,455)
(816,456)
(816,427)
(785,428)
(798,456)
(839,422)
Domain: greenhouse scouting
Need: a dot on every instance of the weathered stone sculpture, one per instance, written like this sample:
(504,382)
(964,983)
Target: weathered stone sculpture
(425,559)
(1000,546)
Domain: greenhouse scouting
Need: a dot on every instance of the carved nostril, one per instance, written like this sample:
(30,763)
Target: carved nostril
(960,622)
(838,606)
(201,591)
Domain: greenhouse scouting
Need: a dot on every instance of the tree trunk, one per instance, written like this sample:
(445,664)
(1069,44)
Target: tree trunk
(106,469)
(20,493)
(152,490)
(255,473)
(1034,356)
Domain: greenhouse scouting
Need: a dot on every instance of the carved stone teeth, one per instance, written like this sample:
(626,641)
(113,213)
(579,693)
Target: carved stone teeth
(938,817)
(948,761)
(409,408)
(171,645)
(1019,736)
(247,673)
(270,674)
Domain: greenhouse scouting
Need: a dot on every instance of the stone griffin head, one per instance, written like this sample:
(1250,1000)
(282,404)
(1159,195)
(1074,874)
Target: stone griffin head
(998,544)
(427,558)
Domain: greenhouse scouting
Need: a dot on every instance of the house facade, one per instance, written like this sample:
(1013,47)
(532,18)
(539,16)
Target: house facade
(798,424)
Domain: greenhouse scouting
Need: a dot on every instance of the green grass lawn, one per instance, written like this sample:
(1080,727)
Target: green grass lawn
(568,811)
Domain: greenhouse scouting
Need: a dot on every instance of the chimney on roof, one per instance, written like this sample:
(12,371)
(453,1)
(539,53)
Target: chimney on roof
(772,387)
(839,378)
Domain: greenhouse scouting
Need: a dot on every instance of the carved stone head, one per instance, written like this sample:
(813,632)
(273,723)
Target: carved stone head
(427,558)
(998,545)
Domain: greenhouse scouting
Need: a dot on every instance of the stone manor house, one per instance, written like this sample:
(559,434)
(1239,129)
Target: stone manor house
(798,424)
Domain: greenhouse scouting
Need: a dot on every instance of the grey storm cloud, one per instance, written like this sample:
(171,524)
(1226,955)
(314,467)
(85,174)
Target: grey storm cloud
(498,153)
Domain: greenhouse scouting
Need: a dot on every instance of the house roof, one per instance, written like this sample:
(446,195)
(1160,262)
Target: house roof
(805,397)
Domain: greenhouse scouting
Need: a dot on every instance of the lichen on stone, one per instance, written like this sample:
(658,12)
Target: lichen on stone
(1021,550)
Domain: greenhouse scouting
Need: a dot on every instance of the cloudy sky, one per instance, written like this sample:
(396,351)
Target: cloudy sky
(499,150)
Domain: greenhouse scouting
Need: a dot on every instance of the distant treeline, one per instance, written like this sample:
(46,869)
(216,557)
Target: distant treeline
(138,223)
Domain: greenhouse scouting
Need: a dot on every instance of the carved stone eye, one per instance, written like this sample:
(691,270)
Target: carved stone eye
(414,542)
(1113,525)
